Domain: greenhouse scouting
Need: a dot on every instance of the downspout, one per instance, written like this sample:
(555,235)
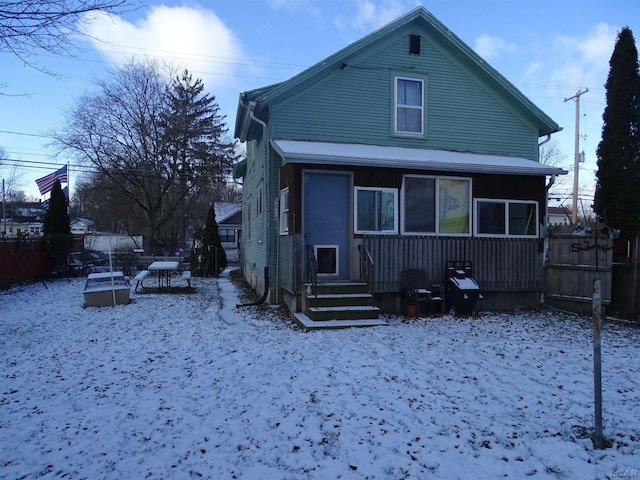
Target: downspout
(548,187)
(265,293)
(251,108)
(546,237)
(546,220)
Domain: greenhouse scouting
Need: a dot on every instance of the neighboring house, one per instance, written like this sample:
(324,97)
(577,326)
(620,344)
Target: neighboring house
(82,226)
(22,225)
(229,220)
(110,242)
(21,218)
(404,149)
(559,216)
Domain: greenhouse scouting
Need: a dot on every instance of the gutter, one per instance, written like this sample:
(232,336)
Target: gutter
(252,116)
(545,140)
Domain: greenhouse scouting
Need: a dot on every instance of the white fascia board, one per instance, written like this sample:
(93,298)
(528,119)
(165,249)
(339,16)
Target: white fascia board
(355,154)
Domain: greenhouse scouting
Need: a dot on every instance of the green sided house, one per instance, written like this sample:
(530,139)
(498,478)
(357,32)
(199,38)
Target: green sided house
(403,150)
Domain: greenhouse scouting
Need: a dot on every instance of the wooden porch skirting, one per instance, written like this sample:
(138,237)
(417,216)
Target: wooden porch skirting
(499,264)
(509,271)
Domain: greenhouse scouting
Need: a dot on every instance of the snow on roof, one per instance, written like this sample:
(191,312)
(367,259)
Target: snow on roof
(293,151)
(226,209)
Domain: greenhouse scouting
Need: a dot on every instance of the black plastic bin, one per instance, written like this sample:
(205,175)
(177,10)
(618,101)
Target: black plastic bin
(461,290)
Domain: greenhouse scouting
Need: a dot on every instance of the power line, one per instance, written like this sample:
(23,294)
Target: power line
(89,169)
(26,134)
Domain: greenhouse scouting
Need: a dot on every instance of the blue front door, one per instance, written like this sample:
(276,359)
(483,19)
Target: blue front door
(326,221)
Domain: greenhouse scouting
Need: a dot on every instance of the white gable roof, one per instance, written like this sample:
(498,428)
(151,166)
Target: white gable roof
(226,210)
(360,155)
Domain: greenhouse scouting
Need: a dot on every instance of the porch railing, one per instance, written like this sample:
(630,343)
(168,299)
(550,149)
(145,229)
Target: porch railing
(499,264)
(366,266)
(312,268)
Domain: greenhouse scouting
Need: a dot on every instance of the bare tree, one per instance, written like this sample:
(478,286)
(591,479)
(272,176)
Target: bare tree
(11,177)
(30,27)
(550,154)
(157,153)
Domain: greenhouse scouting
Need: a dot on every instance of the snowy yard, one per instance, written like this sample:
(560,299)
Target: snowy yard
(189,386)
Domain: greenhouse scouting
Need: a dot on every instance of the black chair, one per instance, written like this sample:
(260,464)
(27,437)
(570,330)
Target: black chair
(417,289)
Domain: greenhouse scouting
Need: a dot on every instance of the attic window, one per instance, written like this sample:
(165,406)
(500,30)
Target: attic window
(414,44)
(409,106)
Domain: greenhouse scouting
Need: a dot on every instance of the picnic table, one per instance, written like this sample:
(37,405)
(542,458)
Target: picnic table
(165,270)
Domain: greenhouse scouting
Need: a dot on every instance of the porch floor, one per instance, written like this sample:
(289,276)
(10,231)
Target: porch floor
(306,323)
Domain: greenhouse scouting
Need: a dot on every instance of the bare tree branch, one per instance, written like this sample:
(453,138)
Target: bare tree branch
(32,27)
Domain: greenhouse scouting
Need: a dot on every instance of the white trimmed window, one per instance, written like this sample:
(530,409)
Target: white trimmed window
(259,215)
(227,235)
(376,210)
(439,205)
(506,218)
(284,211)
(409,106)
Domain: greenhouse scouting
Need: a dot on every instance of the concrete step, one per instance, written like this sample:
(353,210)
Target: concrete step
(343,313)
(337,287)
(340,299)
(308,324)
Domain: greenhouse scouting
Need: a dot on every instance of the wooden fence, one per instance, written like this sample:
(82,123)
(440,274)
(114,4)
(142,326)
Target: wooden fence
(572,265)
(22,260)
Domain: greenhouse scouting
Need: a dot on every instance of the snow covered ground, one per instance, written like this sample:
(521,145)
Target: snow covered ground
(189,386)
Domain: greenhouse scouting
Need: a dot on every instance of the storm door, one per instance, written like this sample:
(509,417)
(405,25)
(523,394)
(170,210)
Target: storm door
(326,221)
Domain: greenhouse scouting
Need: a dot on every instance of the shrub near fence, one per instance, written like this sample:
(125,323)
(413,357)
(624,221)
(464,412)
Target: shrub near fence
(22,260)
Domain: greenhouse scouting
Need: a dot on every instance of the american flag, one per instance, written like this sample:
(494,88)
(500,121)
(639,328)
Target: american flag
(45,205)
(45,184)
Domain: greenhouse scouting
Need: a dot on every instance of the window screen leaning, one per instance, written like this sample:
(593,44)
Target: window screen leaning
(284,211)
(376,210)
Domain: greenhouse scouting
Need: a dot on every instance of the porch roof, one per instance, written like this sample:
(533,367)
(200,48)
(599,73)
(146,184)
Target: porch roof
(360,155)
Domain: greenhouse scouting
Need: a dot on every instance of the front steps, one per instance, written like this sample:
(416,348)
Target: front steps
(338,305)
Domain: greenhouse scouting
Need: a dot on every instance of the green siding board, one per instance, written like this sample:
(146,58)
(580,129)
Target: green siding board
(355,104)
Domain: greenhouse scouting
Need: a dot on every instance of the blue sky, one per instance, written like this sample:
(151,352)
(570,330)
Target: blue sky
(549,49)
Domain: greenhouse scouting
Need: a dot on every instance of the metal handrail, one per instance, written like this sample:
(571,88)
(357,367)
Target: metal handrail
(312,269)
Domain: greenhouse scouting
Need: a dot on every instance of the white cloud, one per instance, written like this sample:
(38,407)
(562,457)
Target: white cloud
(184,37)
(584,59)
(370,15)
(489,46)
(291,5)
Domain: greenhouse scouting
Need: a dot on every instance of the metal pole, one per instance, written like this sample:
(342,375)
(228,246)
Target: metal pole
(597,364)
(4,211)
(597,352)
(576,160)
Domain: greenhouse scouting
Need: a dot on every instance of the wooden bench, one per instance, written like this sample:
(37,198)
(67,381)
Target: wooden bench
(186,276)
(139,278)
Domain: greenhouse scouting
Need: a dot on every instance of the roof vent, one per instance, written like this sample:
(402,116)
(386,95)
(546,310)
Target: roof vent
(414,44)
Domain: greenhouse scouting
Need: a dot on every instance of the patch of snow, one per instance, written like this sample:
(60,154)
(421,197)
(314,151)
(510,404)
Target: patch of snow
(190,386)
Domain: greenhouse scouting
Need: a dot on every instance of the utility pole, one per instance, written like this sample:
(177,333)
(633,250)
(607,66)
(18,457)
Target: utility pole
(576,163)
(4,212)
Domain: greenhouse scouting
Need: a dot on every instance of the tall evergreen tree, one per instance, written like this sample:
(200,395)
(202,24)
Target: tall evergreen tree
(57,227)
(197,144)
(618,153)
(215,256)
